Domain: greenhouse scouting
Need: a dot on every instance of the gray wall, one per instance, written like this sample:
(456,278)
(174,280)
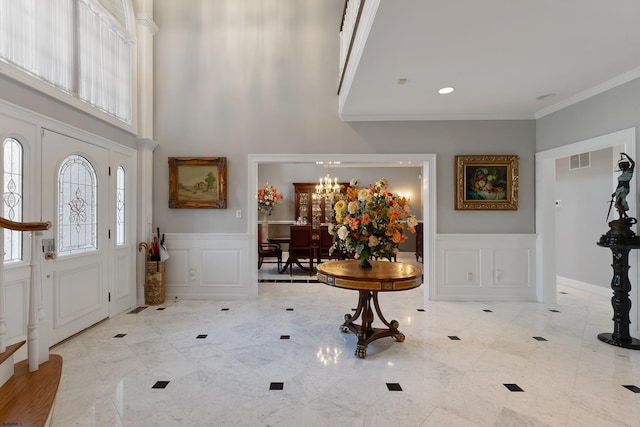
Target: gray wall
(611,111)
(580,219)
(31,99)
(239,77)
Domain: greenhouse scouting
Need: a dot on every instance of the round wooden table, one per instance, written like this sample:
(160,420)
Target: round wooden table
(384,276)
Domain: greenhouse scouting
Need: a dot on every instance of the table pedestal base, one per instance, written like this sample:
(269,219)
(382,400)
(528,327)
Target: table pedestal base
(365,332)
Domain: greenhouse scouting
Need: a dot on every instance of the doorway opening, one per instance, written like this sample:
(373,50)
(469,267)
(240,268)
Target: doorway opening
(546,182)
(424,161)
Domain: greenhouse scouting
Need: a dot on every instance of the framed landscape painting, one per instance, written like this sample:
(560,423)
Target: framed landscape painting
(486,183)
(198,182)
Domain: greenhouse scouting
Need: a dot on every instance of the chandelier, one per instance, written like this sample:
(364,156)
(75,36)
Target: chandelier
(327,187)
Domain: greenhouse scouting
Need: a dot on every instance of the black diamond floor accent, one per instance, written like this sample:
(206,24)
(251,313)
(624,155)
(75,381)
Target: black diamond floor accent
(513,387)
(487,310)
(633,388)
(353,309)
(160,308)
(421,309)
(137,310)
(289,309)
(539,338)
(454,338)
(201,337)
(276,386)
(554,311)
(120,335)
(160,384)
(285,337)
(394,387)
(224,309)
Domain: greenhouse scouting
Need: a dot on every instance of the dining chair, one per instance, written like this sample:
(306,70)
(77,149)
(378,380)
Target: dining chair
(300,247)
(268,250)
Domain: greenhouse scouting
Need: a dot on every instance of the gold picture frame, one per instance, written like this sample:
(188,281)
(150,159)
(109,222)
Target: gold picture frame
(198,182)
(486,182)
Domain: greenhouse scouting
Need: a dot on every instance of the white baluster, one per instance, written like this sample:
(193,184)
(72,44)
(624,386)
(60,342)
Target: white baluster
(3,318)
(34,306)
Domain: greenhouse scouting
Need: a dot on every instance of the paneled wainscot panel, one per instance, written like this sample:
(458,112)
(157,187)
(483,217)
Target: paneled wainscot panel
(485,267)
(207,266)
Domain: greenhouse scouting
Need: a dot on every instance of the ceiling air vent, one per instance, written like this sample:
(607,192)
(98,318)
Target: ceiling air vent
(579,161)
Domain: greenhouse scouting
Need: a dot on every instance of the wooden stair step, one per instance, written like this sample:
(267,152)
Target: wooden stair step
(27,398)
(10,350)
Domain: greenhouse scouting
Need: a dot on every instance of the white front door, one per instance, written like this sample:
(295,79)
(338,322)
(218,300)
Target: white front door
(75,198)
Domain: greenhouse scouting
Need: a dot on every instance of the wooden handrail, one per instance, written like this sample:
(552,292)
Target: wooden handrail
(24,226)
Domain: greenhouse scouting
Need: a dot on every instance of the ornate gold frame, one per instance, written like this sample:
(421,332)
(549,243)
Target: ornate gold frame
(493,186)
(198,182)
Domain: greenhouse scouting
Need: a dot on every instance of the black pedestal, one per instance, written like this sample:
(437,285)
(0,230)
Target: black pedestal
(620,239)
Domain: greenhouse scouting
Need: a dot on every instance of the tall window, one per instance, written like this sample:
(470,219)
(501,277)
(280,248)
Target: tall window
(77,206)
(82,47)
(12,197)
(120,206)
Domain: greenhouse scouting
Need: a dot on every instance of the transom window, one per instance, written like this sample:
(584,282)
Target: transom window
(77,206)
(12,207)
(82,47)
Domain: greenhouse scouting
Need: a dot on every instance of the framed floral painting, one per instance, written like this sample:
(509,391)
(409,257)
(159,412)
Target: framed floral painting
(198,182)
(486,182)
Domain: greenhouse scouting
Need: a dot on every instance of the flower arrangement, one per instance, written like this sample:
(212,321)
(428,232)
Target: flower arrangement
(371,221)
(267,198)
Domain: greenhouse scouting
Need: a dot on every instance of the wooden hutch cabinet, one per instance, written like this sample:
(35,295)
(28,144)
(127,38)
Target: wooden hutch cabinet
(317,210)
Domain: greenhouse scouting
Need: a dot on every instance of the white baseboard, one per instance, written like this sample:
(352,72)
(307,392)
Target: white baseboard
(583,286)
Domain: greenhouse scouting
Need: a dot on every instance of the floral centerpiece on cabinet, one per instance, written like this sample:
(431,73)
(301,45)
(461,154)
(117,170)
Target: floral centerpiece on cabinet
(371,222)
(268,196)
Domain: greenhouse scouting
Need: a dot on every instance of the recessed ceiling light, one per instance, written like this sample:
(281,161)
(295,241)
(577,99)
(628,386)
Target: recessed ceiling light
(445,90)
(402,81)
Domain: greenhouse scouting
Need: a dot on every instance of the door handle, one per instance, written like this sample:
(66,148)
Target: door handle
(50,256)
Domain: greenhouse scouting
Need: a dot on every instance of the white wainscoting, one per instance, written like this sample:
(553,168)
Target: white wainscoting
(485,267)
(207,266)
(16,279)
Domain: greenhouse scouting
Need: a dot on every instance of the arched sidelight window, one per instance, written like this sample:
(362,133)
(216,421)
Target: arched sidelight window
(12,207)
(77,206)
(120,206)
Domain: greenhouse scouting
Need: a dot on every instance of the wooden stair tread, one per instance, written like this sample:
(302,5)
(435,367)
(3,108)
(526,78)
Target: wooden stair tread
(10,350)
(28,397)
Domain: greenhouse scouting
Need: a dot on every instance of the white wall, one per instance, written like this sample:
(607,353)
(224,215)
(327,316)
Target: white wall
(583,196)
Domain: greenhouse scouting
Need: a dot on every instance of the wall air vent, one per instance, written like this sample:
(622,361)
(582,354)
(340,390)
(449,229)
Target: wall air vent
(580,161)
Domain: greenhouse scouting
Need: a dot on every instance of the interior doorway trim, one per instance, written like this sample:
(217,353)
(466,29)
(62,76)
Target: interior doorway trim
(545,211)
(428,163)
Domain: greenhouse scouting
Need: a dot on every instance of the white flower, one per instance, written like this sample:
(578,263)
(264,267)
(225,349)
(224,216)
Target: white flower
(354,182)
(343,232)
(353,207)
(412,221)
(363,194)
(373,241)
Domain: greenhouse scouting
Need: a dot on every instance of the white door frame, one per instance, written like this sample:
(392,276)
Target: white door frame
(428,163)
(545,214)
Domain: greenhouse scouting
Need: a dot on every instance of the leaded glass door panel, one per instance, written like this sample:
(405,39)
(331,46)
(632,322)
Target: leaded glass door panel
(76,279)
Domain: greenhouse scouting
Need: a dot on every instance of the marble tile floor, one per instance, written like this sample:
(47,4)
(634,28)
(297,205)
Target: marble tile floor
(281,361)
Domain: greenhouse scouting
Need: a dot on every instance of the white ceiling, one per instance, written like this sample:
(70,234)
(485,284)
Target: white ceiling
(500,55)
